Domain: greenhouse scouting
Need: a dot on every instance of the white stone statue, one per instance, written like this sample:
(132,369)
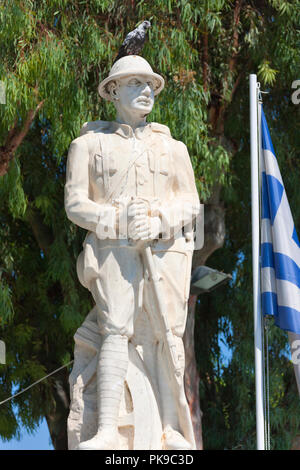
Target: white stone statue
(131,185)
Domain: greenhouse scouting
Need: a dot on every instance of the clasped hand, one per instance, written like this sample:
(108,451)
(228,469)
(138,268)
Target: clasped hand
(140,225)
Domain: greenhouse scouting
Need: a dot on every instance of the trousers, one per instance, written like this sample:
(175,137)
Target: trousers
(121,288)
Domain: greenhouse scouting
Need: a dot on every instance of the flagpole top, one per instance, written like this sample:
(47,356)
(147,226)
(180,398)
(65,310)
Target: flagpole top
(260,92)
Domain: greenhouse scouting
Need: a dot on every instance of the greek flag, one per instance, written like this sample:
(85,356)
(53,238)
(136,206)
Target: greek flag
(280,248)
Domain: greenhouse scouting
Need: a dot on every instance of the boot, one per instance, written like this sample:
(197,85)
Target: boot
(111,373)
(174,440)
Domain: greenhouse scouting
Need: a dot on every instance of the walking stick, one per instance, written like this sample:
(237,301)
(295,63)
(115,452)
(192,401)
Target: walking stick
(170,346)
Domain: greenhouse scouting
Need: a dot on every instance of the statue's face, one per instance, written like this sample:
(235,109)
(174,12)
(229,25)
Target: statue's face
(135,94)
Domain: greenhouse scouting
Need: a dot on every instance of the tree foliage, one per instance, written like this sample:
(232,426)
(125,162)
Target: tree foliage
(52,57)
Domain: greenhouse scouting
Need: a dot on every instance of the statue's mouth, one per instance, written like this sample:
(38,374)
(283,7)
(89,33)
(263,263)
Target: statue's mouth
(144,100)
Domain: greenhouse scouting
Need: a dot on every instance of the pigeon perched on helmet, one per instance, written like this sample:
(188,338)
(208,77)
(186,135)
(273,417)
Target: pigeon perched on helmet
(134,41)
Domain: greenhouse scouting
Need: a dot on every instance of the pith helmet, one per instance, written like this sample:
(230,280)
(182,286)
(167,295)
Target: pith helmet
(130,65)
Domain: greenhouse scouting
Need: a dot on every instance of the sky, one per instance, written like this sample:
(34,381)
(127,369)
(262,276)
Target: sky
(40,440)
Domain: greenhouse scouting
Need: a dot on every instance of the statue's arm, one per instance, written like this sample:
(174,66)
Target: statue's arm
(80,209)
(184,206)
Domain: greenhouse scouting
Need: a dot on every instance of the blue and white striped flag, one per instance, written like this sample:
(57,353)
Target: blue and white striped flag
(280,248)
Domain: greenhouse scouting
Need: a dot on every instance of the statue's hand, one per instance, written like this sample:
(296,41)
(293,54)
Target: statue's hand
(144,228)
(137,208)
(138,228)
(140,225)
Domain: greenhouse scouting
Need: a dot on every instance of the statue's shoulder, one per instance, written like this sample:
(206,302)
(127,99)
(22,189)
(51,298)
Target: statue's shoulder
(93,127)
(87,134)
(161,129)
(165,131)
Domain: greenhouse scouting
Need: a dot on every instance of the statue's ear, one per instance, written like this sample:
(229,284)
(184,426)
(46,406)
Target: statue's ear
(112,88)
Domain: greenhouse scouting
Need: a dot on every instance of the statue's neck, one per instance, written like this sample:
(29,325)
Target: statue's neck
(131,120)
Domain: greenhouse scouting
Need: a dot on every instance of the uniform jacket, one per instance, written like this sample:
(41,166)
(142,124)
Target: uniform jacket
(108,164)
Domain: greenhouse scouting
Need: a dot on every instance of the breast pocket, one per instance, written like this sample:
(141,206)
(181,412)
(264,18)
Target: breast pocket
(105,168)
(159,163)
(159,167)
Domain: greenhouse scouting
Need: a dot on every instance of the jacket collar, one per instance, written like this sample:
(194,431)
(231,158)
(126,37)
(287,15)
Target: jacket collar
(142,132)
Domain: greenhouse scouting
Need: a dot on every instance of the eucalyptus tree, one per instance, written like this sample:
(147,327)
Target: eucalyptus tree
(53,55)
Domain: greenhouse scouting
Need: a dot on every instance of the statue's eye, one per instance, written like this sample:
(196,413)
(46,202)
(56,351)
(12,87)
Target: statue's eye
(134,82)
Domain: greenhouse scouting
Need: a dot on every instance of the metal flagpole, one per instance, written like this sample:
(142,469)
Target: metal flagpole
(264,321)
(260,440)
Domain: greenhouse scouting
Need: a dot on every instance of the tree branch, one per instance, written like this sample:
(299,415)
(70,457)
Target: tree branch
(205,60)
(14,139)
(231,64)
(235,36)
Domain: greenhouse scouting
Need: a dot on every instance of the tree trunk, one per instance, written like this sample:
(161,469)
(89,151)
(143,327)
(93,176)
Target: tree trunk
(296,443)
(191,373)
(57,418)
(214,235)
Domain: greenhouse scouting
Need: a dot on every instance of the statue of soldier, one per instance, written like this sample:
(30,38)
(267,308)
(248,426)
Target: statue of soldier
(129,183)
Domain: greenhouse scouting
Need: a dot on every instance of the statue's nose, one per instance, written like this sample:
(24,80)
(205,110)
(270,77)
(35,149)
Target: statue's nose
(147,90)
